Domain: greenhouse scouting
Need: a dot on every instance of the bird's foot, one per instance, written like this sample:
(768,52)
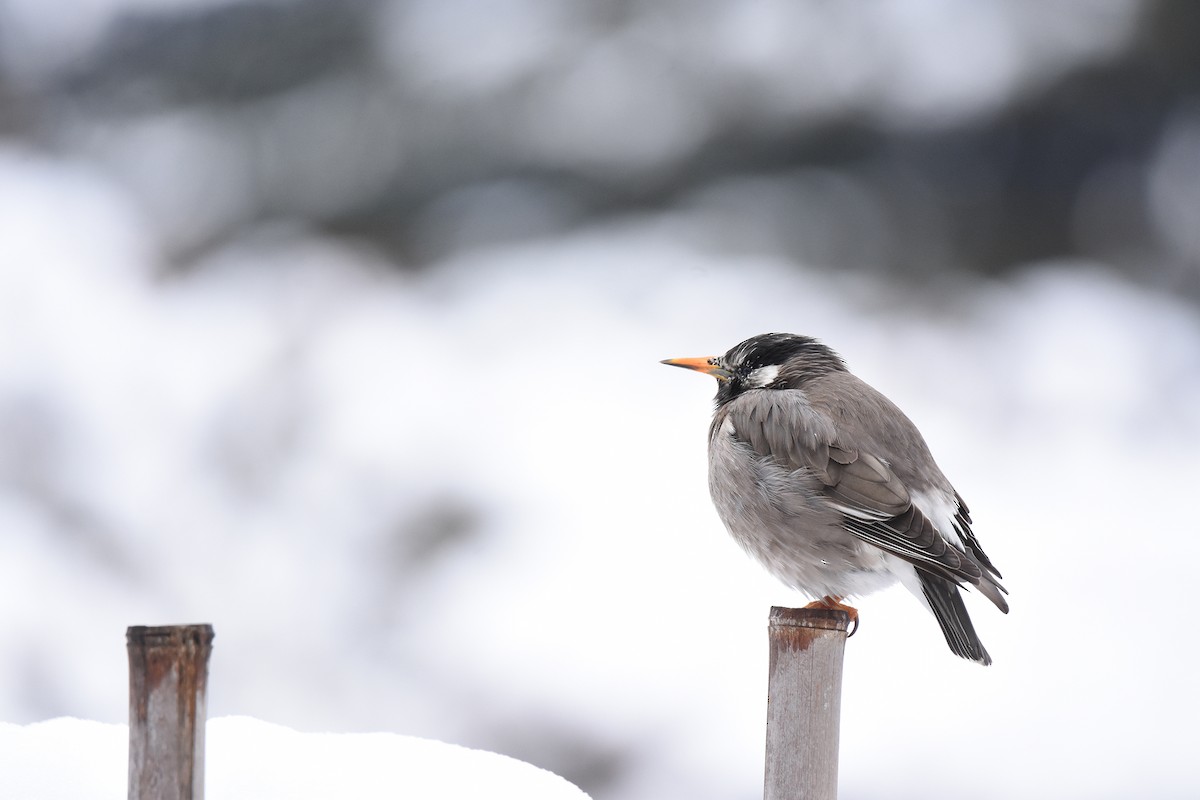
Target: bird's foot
(836,604)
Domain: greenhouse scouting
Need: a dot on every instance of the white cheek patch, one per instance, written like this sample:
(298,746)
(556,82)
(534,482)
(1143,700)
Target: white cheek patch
(763,376)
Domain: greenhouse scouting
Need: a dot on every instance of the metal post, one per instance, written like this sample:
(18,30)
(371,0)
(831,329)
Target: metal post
(168,678)
(804,701)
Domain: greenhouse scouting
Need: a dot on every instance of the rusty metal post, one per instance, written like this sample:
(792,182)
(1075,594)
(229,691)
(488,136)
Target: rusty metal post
(168,679)
(804,703)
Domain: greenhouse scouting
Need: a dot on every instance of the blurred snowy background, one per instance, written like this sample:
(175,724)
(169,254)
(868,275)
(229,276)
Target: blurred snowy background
(337,325)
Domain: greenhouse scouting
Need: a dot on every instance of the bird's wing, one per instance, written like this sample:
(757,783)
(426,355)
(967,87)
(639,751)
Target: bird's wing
(874,502)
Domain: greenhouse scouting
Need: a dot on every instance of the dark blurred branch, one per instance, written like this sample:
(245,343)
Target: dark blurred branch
(986,195)
(227,53)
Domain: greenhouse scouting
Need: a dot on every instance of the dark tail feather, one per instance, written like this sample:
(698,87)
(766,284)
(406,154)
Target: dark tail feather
(946,602)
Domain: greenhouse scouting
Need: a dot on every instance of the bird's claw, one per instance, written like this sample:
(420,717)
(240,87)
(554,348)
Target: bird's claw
(836,604)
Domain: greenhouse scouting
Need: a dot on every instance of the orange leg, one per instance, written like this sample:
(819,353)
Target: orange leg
(836,604)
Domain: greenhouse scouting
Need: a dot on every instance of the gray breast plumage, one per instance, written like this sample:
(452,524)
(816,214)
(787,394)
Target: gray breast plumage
(780,513)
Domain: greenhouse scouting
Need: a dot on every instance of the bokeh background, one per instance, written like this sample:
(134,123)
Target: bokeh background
(336,324)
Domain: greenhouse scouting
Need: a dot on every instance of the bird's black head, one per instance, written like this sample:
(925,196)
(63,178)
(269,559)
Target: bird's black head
(775,361)
(767,361)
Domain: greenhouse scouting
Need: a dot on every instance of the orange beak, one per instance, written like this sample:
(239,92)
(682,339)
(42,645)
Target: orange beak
(707,365)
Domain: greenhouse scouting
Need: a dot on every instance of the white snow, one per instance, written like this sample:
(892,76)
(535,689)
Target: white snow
(247,759)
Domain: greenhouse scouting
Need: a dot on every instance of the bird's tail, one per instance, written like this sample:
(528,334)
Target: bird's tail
(947,604)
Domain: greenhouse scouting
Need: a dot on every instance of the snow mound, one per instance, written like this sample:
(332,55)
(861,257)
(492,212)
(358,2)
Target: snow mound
(247,759)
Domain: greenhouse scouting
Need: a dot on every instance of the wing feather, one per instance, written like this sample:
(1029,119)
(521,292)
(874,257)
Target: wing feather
(875,503)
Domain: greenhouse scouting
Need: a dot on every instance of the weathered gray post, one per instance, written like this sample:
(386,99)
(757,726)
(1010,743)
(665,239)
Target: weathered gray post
(168,678)
(804,703)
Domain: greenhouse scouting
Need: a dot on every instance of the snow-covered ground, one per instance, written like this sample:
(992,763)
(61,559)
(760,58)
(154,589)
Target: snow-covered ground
(246,759)
(271,441)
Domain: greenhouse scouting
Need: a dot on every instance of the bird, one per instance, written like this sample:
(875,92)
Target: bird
(828,484)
